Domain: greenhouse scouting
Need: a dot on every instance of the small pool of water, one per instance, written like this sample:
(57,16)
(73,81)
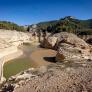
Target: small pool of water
(21,63)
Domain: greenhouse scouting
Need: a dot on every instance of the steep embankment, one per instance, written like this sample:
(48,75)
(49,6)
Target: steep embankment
(9,42)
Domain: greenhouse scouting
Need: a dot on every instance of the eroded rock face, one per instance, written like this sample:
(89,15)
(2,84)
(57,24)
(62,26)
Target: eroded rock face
(49,42)
(68,45)
(71,76)
(13,37)
(70,52)
(9,42)
(72,48)
(54,41)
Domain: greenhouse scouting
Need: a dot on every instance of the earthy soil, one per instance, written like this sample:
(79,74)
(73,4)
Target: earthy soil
(60,78)
(43,56)
(56,77)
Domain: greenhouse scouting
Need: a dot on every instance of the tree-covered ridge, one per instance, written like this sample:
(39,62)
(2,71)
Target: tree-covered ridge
(69,24)
(10,26)
(44,25)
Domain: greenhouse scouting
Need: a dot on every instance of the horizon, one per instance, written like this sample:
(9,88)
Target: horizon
(27,12)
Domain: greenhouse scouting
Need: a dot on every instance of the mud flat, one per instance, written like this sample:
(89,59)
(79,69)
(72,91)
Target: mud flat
(43,56)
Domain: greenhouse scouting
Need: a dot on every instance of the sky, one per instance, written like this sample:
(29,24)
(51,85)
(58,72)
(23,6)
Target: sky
(25,12)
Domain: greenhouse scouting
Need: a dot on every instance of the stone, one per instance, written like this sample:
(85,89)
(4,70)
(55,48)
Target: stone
(72,47)
(53,41)
(70,52)
(49,42)
(56,79)
(42,69)
(68,46)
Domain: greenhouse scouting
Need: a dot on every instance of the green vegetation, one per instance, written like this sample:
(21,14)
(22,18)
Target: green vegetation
(10,26)
(45,25)
(86,32)
(68,24)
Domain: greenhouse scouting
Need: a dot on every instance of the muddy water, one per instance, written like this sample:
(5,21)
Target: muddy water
(21,63)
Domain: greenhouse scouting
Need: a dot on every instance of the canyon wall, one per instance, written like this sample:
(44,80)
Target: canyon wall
(9,42)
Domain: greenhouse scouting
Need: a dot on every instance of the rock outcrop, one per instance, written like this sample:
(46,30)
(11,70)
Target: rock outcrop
(87,38)
(73,75)
(68,45)
(70,52)
(49,42)
(54,40)
(9,42)
(13,37)
(72,48)
(61,77)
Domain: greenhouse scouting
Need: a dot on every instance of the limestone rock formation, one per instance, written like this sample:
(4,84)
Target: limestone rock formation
(9,42)
(68,45)
(49,42)
(73,75)
(13,37)
(72,47)
(70,52)
(65,77)
(54,40)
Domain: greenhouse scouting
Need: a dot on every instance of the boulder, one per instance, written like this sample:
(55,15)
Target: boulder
(53,41)
(72,48)
(70,52)
(68,46)
(49,42)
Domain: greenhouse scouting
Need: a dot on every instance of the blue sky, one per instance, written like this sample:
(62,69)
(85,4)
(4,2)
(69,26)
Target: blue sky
(25,12)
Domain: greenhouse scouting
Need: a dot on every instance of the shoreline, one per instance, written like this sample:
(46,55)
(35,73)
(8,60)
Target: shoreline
(13,52)
(38,57)
(22,52)
(13,56)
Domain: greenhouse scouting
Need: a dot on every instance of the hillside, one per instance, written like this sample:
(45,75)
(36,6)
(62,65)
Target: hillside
(10,26)
(69,24)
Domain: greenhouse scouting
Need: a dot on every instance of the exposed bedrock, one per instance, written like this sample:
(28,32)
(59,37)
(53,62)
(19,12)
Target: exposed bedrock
(63,77)
(68,46)
(9,42)
(72,75)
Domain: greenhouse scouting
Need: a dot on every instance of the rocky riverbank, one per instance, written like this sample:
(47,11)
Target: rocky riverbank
(9,42)
(60,77)
(71,71)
